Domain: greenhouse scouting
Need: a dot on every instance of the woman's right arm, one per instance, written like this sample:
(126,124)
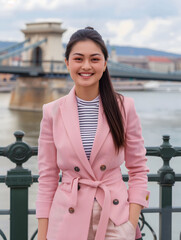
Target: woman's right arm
(42,228)
(48,172)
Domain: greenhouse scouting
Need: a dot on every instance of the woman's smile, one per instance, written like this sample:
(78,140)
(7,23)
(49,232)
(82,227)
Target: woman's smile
(86,75)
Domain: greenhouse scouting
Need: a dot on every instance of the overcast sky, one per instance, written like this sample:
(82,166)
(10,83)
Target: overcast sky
(142,23)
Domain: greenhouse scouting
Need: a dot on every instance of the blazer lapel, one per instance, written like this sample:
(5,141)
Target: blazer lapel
(71,122)
(101,133)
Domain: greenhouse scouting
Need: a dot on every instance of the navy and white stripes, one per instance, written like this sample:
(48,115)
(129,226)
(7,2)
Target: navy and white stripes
(88,119)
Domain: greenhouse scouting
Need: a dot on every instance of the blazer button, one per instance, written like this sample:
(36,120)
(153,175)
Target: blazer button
(71,210)
(115,201)
(77,169)
(103,167)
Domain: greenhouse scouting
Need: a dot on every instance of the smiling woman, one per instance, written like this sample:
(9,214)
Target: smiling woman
(86,64)
(87,135)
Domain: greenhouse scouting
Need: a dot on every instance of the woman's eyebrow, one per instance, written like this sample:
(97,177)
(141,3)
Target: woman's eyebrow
(94,54)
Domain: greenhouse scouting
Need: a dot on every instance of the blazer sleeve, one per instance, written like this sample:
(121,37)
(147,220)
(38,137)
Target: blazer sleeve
(135,159)
(47,165)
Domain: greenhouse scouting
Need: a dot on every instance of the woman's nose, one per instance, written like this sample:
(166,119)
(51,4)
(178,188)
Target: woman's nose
(86,65)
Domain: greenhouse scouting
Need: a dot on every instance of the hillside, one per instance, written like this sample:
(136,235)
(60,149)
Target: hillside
(6,44)
(135,51)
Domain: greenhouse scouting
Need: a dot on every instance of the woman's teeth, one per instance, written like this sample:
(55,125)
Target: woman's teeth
(85,74)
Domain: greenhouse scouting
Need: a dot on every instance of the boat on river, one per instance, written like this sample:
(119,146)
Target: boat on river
(135,85)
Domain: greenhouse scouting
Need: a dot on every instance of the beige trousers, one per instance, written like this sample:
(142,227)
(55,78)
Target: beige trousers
(125,231)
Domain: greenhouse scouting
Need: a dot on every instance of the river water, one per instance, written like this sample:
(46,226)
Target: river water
(160,114)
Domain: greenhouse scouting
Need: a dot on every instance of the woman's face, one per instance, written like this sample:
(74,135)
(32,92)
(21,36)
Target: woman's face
(86,64)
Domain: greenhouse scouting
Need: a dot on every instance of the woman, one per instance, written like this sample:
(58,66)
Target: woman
(87,135)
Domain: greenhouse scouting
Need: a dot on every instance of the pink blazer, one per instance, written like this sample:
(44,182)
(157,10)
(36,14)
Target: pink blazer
(69,205)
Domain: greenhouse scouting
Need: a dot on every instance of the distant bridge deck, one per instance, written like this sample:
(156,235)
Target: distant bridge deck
(116,71)
(28,71)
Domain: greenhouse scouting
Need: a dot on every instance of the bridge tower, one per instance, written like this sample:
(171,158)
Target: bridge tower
(44,51)
(50,51)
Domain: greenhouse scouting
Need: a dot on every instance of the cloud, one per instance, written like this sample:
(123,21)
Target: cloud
(48,20)
(163,34)
(114,9)
(120,29)
(142,23)
(66,36)
(150,28)
(13,5)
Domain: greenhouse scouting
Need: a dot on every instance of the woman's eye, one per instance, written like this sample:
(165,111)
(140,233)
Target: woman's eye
(95,59)
(78,59)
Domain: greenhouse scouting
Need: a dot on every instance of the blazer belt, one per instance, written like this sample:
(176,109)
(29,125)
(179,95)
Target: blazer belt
(105,213)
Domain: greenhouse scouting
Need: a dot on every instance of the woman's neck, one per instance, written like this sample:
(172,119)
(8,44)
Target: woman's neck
(86,94)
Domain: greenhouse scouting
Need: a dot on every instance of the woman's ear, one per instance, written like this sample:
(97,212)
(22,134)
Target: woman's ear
(67,64)
(105,65)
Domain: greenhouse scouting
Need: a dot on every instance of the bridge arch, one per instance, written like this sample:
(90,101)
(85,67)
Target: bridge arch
(37,56)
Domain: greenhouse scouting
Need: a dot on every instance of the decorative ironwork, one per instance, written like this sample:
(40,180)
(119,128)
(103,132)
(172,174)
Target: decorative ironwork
(20,179)
(34,235)
(142,223)
(18,152)
(2,235)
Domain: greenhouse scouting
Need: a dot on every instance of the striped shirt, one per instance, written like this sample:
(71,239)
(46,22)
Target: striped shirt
(88,119)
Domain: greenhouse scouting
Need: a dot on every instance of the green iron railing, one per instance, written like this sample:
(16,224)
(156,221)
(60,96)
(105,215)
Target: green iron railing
(20,179)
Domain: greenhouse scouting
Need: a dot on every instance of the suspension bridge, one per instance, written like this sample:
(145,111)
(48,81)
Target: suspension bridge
(41,71)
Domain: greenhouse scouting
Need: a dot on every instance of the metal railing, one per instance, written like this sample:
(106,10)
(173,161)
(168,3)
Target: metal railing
(20,179)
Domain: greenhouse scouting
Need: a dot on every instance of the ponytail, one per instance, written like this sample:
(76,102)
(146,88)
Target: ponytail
(111,109)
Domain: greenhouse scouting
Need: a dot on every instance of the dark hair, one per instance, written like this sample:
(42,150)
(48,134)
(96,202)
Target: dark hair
(109,97)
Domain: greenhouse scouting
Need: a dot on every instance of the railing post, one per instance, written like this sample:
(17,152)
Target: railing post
(167,180)
(18,180)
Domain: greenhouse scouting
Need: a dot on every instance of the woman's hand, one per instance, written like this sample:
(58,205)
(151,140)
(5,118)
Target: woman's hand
(134,213)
